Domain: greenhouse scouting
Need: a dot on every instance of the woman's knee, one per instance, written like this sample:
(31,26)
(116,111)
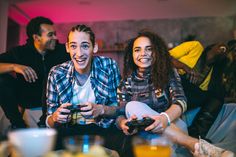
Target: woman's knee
(132,105)
(134,108)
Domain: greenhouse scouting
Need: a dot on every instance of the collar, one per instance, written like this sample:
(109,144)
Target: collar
(146,75)
(71,69)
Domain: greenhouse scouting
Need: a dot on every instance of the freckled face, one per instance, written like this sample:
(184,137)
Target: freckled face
(81,50)
(142,52)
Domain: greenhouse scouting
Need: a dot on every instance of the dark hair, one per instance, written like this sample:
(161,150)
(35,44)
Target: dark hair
(34,26)
(232,45)
(83,28)
(161,67)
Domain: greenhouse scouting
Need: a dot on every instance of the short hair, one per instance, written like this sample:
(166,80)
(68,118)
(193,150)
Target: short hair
(34,26)
(83,28)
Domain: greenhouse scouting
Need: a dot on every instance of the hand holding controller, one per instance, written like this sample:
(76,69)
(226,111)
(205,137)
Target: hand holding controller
(74,109)
(139,124)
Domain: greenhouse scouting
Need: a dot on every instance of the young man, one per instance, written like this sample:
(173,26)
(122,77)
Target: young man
(31,63)
(202,81)
(87,82)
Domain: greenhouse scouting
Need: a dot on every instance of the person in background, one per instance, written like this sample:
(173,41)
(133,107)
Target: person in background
(30,63)
(151,87)
(230,73)
(87,82)
(201,72)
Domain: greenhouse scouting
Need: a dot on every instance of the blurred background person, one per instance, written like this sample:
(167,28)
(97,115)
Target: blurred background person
(30,63)
(202,81)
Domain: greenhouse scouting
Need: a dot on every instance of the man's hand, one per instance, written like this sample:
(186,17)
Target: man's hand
(28,73)
(90,109)
(192,75)
(61,114)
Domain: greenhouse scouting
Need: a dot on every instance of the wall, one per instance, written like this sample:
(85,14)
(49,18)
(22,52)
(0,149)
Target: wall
(3,25)
(12,34)
(207,29)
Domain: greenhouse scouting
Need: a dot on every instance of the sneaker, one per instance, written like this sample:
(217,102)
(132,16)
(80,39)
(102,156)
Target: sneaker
(209,150)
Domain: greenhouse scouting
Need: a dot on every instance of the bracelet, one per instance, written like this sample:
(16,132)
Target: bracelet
(168,118)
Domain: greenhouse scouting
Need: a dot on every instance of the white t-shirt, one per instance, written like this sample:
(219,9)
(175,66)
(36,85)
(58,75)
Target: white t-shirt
(81,95)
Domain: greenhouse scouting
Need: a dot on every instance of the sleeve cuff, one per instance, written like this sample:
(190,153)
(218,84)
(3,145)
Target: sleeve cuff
(183,105)
(47,121)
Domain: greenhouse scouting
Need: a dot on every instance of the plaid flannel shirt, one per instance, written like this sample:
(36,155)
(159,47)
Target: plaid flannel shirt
(105,77)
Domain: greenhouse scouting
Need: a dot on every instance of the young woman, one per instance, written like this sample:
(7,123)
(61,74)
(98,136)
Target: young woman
(152,88)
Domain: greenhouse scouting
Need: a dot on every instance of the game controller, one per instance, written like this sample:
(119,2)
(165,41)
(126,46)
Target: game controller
(139,124)
(74,109)
(73,114)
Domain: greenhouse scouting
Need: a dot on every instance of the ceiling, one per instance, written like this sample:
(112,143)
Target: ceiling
(69,11)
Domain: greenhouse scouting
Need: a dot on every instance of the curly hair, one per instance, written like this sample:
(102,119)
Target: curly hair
(161,67)
(34,26)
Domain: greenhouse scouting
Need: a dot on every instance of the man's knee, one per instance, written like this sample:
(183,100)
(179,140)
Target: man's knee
(7,82)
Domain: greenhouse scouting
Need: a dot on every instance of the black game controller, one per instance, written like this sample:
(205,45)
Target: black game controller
(74,109)
(139,124)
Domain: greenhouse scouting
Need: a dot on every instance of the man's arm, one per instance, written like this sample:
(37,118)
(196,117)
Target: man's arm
(191,74)
(6,67)
(28,73)
(185,56)
(111,109)
(100,110)
(54,107)
(177,107)
(187,52)
(179,65)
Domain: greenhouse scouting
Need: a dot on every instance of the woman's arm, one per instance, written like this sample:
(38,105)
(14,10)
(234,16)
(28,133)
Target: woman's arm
(176,92)
(177,107)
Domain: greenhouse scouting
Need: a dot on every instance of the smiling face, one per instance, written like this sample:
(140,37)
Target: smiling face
(81,50)
(47,38)
(142,52)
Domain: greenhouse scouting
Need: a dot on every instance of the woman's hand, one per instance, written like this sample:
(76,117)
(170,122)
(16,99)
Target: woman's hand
(61,115)
(159,125)
(125,128)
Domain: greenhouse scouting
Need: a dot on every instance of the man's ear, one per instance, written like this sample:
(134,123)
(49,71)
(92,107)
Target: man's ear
(95,49)
(36,37)
(67,47)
